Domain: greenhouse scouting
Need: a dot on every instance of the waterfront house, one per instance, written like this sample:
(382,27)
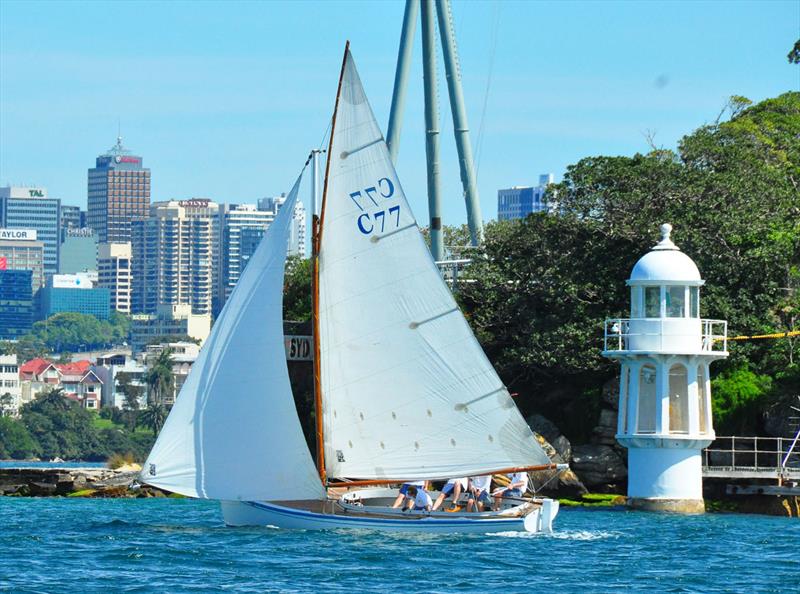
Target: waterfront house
(77,379)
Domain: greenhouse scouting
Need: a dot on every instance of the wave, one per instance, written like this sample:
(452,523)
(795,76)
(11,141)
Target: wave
(562,535)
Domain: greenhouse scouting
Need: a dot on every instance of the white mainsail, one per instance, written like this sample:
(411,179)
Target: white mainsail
(407,391)
(233,433)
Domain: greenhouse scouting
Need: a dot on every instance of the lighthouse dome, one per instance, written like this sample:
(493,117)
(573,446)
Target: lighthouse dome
(665,264)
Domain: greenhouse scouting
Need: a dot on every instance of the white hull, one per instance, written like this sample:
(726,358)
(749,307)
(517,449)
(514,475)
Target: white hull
(253,513)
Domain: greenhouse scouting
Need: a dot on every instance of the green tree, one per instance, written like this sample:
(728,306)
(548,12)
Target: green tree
(794,54)
(133,394)
(297,290)
(153,417)
(15,441)
(61,427)
(737,397)
(159,379)
(539,291)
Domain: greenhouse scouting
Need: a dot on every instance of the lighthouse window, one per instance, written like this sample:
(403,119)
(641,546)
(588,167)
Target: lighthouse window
(646,422)
(702,394)
(676,302)
(652,302)
(636,302)
(694,301)
(678,400)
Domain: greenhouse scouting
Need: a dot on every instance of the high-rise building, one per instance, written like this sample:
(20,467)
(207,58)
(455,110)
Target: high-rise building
(520,201)
(16,303)
(30,208)
(241,228)
(119,193)
(114,273)
(19,250)
(73,293)
(297,237)
(70,218)
(176,256)
(78,250)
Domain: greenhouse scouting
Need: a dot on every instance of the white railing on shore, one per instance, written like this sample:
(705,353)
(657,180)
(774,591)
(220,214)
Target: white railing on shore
(776,455)
(617,334)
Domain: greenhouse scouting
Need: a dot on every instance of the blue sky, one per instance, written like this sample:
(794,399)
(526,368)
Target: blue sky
(225,100)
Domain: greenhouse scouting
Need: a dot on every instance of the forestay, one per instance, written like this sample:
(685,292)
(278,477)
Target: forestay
(233,432)
(407,391)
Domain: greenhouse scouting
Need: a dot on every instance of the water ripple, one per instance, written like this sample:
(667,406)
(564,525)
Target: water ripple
(182,546)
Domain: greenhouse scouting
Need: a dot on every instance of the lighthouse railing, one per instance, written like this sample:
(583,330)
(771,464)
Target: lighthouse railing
(626,334)
(753,456)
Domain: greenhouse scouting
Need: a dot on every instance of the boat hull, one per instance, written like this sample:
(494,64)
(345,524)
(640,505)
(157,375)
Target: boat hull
(255,513)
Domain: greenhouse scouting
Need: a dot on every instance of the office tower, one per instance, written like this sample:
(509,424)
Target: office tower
(19,250)
(519,201)
(176,256)
(241,228)
(114,274)
(297,238)
(78,250)
(30,208)
(73,293)
(119,193)
(70,218)
(16,303)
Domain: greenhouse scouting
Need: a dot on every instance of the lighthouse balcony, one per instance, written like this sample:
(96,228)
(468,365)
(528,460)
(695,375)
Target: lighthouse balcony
(689,336)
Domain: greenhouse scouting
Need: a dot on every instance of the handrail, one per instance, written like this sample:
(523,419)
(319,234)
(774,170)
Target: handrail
(774,454)
(617,335)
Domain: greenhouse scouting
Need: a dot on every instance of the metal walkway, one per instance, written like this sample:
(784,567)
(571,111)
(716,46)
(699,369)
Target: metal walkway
(775,458)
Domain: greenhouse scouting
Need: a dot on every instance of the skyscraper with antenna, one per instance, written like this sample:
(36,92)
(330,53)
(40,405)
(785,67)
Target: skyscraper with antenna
(118,193)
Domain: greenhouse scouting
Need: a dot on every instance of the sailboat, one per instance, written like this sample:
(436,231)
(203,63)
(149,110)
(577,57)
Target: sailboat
(403,389)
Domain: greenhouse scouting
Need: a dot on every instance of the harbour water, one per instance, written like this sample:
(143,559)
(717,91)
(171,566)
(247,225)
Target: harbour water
(181,545)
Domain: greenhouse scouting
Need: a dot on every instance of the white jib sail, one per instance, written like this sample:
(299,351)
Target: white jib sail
(233,433)
(407,391)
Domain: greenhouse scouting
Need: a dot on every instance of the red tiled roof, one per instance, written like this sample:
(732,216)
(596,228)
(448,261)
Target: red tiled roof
(76,368)
(35,367)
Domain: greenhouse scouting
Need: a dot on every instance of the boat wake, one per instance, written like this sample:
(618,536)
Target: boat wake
(562,535)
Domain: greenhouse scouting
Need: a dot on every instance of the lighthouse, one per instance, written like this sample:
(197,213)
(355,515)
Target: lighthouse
(665,350)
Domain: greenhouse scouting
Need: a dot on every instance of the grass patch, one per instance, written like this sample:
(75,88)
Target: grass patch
(82,493)
(101,423)
(594,500)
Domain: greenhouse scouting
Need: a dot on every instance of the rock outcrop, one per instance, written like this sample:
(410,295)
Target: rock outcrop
(558,449)
(42,482)
(600,467)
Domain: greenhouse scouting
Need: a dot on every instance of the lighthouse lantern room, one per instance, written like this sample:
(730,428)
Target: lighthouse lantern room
(665,350)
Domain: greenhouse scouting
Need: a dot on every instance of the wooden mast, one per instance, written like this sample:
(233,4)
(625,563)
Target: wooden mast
(316,242)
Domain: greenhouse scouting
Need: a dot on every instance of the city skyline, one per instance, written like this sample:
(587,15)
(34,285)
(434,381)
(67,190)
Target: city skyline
(226,103)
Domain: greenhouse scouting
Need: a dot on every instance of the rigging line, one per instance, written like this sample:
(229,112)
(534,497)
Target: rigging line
(492,53)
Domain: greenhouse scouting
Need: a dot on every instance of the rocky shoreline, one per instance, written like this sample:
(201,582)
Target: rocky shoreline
(72,482)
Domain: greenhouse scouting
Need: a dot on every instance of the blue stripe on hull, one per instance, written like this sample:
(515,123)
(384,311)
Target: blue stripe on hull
(284,517)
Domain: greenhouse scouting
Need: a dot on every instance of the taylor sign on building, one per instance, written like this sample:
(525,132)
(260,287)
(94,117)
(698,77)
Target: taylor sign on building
(18,234)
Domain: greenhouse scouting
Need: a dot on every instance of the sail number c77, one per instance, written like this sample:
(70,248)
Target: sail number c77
(369,222)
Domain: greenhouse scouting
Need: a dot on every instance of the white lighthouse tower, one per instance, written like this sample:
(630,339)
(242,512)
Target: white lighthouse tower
(665,393)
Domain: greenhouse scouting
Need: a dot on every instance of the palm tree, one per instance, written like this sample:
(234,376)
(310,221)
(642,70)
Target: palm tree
(54,397)
(153,417)
(159,378)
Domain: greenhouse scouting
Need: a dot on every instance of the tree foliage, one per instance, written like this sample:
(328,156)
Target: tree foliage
(52,426)
(539,294)
(73,332)
(159,379)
